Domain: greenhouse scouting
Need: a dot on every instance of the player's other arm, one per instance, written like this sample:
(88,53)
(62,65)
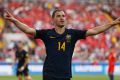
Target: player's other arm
(25,64)
(23,27)
(100,29)
(26,61)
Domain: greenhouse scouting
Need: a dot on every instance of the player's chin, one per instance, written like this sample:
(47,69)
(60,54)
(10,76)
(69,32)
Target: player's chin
(61,26)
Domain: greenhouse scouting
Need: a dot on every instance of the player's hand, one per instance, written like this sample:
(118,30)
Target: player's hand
(9,16)
(21,69)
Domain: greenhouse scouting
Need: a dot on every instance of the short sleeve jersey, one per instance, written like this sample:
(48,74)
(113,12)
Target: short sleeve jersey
(59,50)
(21,56)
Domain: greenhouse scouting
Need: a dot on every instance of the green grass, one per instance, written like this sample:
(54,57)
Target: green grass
(80,77)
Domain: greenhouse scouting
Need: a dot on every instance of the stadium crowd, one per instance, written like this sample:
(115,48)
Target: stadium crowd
(36,14)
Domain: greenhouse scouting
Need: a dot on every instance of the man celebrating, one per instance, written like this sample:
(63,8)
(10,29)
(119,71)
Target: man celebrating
(59,43)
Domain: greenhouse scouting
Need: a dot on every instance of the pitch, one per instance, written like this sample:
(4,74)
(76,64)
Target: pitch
(79,77)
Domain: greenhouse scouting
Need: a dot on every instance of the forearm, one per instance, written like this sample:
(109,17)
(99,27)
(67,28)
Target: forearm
(100,29)
(23,27)
(103,28)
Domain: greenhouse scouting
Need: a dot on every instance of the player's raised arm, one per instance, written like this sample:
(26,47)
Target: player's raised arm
(23,27)
(99,29)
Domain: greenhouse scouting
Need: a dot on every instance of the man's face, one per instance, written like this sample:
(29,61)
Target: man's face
(59,19)
(20,45)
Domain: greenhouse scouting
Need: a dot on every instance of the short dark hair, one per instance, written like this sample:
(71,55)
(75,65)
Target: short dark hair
(56,10)
(20,42)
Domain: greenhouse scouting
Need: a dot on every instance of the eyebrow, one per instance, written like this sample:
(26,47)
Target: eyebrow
(60,15)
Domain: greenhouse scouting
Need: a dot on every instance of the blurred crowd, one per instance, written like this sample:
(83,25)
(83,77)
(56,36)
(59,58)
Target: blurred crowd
(80,15)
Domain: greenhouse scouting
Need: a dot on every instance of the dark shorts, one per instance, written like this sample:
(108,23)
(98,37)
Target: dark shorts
(25,72)
(45,77)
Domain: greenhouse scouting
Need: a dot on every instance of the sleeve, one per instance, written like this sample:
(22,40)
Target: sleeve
(26,54)
(80,34)
(40,34)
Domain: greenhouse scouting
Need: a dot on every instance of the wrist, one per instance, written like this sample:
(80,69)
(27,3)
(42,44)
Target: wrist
(15,21)
(115,22)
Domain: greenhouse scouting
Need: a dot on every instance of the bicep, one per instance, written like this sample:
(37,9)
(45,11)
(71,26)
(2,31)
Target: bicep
(91,32)
(31,31)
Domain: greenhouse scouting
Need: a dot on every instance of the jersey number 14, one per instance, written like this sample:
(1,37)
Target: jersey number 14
(61,46)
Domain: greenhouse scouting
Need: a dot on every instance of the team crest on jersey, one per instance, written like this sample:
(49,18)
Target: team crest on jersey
(68,38)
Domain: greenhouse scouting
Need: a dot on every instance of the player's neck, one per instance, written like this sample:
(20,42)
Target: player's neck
(60,30)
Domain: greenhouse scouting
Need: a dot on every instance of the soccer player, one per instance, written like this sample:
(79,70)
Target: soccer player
(59,43)
(23,59)
(111,59)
